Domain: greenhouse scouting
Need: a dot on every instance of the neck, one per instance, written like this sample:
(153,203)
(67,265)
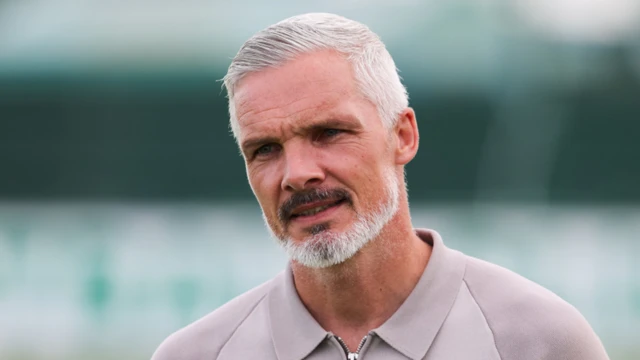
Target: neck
(359,295)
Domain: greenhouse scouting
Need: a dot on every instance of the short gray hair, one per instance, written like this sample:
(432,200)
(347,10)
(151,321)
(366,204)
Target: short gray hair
(374,68)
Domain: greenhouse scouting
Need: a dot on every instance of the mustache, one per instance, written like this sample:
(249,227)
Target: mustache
(309,196)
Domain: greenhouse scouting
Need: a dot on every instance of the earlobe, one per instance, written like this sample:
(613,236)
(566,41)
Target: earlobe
(406,131)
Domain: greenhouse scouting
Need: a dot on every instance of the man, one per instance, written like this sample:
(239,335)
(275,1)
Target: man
(325,130)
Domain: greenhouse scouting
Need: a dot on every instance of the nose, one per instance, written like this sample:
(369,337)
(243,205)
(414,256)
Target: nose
(302,169)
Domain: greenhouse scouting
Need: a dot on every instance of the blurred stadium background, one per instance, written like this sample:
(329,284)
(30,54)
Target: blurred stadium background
(124,208)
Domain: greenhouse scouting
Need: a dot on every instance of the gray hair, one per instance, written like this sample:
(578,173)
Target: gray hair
(375,71)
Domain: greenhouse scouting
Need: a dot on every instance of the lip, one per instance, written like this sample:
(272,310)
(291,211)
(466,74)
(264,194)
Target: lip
(312,205)
(323,215)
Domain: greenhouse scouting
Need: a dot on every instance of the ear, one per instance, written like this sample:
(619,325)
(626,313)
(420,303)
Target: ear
(406,131)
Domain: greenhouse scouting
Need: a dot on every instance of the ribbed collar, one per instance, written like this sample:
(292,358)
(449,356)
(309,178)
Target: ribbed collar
(410,330)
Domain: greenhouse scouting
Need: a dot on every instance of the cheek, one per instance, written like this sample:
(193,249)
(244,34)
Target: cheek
(265,185)
(356,171)
(362,172)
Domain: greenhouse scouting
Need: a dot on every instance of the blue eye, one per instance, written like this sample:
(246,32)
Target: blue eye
(331,132)
(327,134)
(264,150)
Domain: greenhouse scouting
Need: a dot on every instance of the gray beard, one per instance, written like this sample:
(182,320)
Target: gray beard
(325,247)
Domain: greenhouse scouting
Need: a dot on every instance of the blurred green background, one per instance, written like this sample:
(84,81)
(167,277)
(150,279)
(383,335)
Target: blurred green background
(124,207)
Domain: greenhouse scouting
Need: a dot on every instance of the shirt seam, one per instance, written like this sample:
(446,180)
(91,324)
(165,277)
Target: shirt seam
(484,316)
(241,322)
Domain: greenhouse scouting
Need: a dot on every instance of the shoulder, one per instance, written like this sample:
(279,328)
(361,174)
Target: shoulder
(204,338)
(527,320)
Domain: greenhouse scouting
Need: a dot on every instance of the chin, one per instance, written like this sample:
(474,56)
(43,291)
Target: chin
(324,246)
(323,249)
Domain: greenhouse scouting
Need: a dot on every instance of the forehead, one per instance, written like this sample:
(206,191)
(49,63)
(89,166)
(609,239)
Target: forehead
(310,86)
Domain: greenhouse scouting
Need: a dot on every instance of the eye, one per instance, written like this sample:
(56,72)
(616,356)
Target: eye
(328,134)
(265,150)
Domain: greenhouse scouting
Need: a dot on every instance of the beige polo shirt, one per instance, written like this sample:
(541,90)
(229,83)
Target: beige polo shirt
(461,308)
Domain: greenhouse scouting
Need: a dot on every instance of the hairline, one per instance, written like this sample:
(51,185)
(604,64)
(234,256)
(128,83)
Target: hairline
(354,75)
(374,72)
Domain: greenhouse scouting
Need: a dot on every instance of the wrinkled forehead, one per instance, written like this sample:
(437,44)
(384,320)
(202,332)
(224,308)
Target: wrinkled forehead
(302,105)
(312,82)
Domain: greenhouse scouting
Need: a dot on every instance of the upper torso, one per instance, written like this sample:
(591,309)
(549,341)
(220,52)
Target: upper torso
(462,308)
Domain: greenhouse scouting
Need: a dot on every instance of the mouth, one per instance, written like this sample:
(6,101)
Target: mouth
(315,210)
(309,207)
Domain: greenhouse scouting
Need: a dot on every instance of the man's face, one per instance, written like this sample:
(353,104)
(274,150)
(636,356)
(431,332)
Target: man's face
(318,158)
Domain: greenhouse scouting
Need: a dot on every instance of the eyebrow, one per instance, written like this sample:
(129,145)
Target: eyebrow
(350,123)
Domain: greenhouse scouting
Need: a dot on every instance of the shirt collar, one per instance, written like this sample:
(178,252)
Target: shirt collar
(410,330)
(295,332)
(413,327)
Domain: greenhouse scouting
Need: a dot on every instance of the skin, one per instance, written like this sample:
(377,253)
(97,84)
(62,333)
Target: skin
(304,125)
